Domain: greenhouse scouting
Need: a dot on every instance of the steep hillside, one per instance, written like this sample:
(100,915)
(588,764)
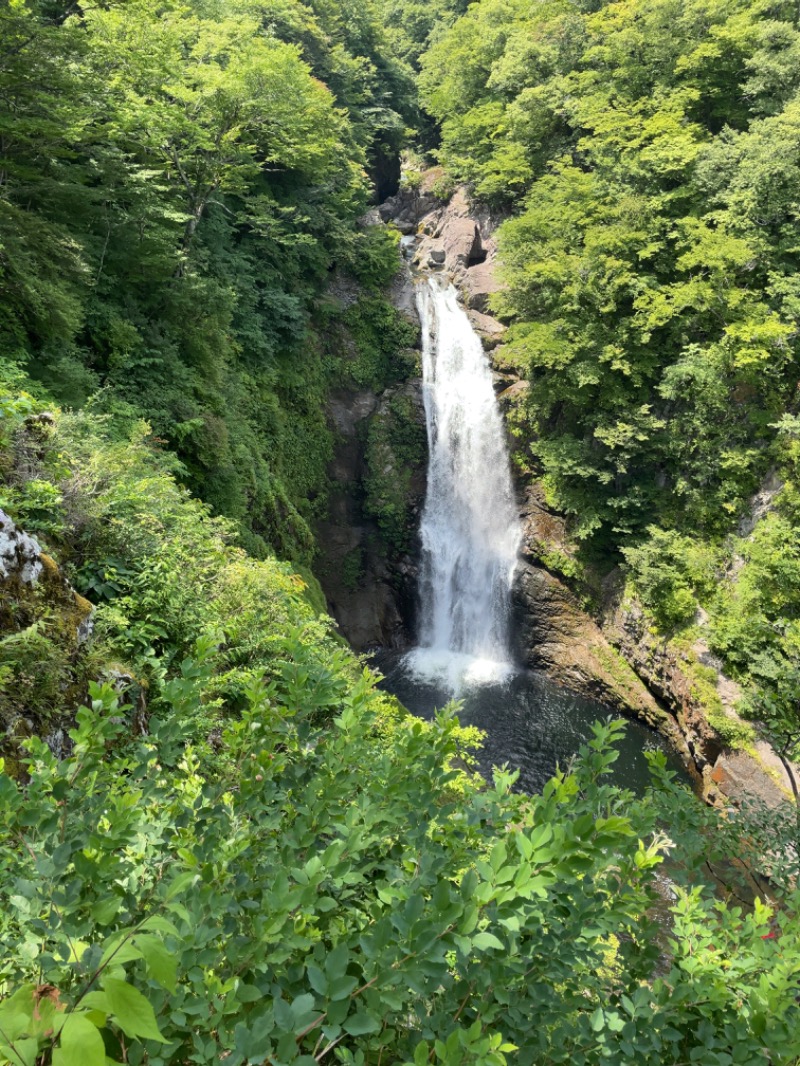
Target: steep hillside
(219,841)
(647,155)
(176,181)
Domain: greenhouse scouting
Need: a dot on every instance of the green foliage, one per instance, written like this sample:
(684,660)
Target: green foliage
(244,851)
(649,153)
(161,572)
(353,568)
(373,344)
(671,573)
(177,180)
(754,615)
(373,909)
(374,259)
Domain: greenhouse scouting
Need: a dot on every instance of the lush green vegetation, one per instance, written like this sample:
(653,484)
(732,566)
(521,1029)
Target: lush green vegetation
(246,853)
(176,181)
(239,850)
(651,150)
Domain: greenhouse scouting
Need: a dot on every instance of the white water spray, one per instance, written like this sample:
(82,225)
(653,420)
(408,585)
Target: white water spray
(470,528)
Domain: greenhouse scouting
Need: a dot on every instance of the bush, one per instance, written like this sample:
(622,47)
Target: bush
(671,574)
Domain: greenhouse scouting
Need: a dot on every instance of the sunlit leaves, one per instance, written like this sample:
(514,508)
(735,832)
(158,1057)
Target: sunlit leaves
(651,232)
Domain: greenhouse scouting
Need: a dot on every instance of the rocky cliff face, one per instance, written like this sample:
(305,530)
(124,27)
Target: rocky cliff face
(368,550)
(552,631)
(44,628)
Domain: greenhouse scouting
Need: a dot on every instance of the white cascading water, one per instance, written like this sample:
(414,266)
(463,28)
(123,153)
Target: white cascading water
(470,527)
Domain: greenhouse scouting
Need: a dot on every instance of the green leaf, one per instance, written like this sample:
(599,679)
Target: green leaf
(97,1000)
(597,1020)
(361,1023)
(336,962)
(24,1053)
(120,950)
(80,1043)
(302,1006)
(105,910)
(487,940)
(157,923)
(248,993)
(317,979)
(131,1011)
(162,965)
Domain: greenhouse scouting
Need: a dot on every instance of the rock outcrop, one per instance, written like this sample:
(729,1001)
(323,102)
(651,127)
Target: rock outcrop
(661,669)
(20,554)
(458,238)
(370,592)
(44,627)
(369,579)
(553,633)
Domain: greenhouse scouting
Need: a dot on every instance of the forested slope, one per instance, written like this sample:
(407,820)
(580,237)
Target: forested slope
(646,154)
(176,182)
(239,851)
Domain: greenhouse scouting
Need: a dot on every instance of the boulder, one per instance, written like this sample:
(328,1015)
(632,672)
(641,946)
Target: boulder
(479,284)
(20,554)
(488,329)
(514,390)
(462,243)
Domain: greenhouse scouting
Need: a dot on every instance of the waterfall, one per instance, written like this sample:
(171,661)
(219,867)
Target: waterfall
(470,528)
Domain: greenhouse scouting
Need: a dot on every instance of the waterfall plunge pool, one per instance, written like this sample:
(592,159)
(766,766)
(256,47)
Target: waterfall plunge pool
(530,722)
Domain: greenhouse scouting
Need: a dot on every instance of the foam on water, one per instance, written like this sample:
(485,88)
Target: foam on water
(456,671)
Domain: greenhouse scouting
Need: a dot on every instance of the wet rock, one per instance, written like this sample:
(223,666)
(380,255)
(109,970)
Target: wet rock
(403,296)
(661,670)
(503,379)
(20,554)
(387,209)
(488,329)
(408,246)
(369,591)
(346,409)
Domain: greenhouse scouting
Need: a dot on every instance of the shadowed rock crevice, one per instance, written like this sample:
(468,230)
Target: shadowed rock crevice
(368,543)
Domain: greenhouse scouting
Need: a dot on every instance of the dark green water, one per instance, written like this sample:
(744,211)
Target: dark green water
(531,723)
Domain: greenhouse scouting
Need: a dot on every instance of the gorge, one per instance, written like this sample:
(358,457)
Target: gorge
(459,340)
(470,538)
